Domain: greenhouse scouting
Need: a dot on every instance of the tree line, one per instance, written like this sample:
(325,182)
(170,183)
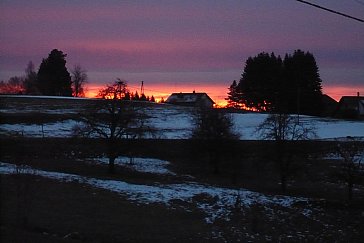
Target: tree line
(119,90)
(270,83)
(52,78)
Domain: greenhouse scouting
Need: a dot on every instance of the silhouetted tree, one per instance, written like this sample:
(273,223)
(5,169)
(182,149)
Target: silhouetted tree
(136,96)
(127,96)
(30,80)
(260,81)
(113,118)
(351,168)
(233,96)
(213,130)
(143,98)
(21,85)
(53,78)
(283,129)
(79,79)
(290,86)
(152,99)
(303,90)
(15,85)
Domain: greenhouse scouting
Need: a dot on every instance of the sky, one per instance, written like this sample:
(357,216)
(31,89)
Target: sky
(181,46)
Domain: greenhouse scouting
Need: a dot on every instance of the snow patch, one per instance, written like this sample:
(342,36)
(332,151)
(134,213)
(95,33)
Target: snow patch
(56,129)
(221,203)
(146,165)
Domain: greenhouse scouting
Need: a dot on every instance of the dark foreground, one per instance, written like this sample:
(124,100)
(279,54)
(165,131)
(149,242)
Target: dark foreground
(37,209)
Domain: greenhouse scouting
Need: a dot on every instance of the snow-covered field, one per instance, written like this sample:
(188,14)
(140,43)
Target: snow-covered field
(173,122)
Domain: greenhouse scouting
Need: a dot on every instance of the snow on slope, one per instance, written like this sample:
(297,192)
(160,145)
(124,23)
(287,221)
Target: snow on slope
(326,128)
(146,165)
(56,129)
(174,122)
(221,204)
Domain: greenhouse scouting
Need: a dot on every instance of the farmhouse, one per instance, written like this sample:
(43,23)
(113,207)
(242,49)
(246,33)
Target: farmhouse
(191,99)
(350,107)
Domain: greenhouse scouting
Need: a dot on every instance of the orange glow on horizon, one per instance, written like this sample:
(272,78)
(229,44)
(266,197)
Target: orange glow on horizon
(336,92)
(217,92)
(160,92)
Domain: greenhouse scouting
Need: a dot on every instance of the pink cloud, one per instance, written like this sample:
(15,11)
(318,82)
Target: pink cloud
(174,36)
(337,91)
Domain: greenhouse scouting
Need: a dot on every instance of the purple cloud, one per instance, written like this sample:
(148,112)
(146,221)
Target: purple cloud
(177,40)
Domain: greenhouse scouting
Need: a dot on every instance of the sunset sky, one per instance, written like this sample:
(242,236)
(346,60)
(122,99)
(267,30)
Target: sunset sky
(180,46)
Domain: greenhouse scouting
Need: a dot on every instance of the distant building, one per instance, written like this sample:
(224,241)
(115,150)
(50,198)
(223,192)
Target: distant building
(350,107)
(191,99)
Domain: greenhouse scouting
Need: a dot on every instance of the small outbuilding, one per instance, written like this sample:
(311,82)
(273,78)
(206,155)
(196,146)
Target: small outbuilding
(191,99)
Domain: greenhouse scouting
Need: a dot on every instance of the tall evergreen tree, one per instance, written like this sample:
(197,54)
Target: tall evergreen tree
(303,90)
(136,96)
(260,81)
(270,84)
(143,97)
(233,96)
(53,78)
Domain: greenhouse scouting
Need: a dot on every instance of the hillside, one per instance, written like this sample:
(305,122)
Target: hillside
(56,188)
(55,117)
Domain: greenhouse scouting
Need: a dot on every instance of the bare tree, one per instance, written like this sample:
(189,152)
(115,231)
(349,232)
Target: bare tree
(112,119)
(15,85)
(351,168)
(30,81)
(283,128)
(213,129)
(79,79)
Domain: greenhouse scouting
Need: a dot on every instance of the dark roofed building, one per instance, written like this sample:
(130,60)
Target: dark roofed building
(191,99)
(350,107)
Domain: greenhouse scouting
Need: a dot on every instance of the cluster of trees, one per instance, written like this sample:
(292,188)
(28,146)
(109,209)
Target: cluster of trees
(52,79)
(270,83)
(216,139)
(21,85)
(122,93)
(214,130)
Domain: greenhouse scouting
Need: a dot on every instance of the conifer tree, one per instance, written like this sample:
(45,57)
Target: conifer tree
(136,96)
(303,90)
(53,78)
(233,96)
(260,81)
(270,84)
